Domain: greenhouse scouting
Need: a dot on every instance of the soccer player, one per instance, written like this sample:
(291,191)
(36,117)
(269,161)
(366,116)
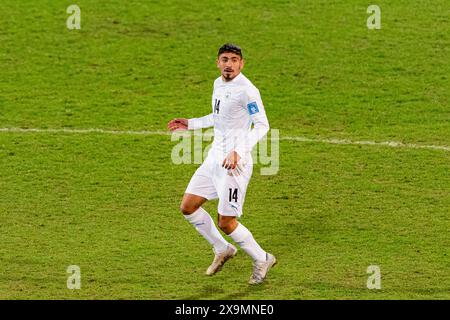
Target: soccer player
(226,171)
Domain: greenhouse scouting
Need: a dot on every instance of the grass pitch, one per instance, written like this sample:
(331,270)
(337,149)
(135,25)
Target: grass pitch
(109,203)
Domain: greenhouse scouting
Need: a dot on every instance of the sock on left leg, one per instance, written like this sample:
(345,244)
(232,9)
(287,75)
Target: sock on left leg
(244,238)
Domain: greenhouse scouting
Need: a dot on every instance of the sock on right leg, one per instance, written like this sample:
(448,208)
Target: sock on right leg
(204,224)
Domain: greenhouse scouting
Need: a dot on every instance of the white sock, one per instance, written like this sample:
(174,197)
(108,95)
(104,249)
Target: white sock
(204,224)
(244,238)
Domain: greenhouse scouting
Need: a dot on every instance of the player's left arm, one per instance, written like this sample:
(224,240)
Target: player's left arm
(255,108)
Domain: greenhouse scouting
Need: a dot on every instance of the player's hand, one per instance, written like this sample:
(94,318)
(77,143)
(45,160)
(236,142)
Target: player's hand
(178,124)
(237,171)
(230,162)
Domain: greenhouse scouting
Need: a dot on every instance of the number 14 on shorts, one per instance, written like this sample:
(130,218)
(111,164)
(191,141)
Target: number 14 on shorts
(233,194)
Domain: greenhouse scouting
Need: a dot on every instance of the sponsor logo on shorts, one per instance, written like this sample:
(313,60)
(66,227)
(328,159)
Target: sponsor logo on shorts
(234,206)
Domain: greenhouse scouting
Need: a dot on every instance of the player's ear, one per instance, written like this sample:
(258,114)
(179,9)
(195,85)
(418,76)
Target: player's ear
(217,63)
(242,63)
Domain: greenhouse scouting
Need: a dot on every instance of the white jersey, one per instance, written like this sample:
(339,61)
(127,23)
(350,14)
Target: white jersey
(236,105)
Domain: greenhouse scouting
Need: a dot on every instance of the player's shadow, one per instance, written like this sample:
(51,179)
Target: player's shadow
(217,286)
(211,290)
(243,294)
(205,293)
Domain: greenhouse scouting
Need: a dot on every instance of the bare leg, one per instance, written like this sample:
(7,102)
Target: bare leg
(227,224)
(191,203)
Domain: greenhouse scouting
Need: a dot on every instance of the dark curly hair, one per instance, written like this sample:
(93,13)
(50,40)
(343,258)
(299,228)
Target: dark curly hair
(230,47)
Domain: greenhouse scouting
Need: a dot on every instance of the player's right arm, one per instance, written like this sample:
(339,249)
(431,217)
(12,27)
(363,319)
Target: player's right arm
(191,124)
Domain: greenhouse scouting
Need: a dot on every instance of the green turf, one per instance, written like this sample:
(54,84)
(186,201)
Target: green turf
(109,203)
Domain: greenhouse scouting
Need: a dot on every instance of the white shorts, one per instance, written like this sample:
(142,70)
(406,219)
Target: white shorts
(212,181)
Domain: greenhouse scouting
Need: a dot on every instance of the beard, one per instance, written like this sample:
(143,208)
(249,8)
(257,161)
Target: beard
(229,75)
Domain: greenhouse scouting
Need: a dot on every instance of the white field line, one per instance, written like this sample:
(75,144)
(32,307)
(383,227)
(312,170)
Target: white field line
(392,144)
(91,130)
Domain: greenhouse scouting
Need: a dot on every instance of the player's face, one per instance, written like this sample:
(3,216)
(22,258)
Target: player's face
(230,65)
